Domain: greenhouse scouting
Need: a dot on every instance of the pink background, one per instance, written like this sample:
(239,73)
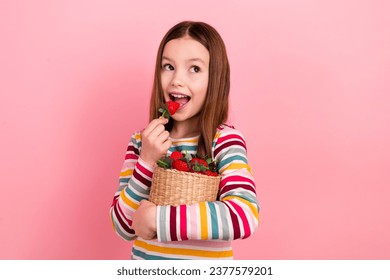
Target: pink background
(310,92)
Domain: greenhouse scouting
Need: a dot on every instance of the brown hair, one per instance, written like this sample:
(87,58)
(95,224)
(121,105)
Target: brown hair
(215,108)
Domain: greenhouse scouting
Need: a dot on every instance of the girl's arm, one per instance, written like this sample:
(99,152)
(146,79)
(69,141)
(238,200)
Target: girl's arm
(234,216)
(136,175)
(134,186)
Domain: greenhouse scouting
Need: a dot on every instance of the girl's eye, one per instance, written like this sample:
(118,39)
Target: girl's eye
(168,67)
(195,69)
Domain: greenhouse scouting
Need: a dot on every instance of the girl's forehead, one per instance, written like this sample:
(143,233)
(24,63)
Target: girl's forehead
(185,48)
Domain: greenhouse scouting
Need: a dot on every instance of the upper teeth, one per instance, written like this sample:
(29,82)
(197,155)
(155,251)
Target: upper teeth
(179,95)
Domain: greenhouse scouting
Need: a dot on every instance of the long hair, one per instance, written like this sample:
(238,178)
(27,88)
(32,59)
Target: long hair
(215,108)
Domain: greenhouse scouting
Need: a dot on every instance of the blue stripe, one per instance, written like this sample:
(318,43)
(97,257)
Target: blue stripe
(139,188)
(124,180)
(191,152)
(188,148)
(117,228)
(133,195)
(149,257)
(249,198)
(225,215)
(230,159)
(161,231)
(214,221)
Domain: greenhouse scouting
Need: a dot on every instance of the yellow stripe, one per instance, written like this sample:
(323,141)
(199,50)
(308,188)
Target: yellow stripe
(128,201)
(126,173)
(251,206)
(235,166)
(217,135)
(138,136)
(203,221)
(186,141)
(111,219)
(181,251)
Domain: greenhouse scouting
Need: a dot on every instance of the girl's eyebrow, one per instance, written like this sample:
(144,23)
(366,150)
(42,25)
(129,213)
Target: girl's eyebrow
(197,59)
(166,58)
(189,60)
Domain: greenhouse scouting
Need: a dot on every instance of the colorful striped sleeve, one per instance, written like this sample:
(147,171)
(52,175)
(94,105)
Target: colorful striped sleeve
(134,185)
(236,213)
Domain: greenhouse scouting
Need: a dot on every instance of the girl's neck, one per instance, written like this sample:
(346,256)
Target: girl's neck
(185,129)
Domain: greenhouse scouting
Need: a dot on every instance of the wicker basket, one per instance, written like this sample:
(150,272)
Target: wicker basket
(173,187)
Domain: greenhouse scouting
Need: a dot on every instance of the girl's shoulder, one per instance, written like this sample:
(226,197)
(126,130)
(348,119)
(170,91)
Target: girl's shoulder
(227,129)
(227,132)
(225,126)
(228,140)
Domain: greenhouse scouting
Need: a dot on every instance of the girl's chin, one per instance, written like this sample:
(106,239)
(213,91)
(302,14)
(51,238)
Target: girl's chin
(178,119)
(184,118)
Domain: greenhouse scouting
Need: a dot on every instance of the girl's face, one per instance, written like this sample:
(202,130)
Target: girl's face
(185,75)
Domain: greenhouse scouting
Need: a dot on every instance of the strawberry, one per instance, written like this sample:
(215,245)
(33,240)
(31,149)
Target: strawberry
(180,165)
(199,161)
(169,109)
(198,165)
(180,160)
(211,173)
(165,162)
(172,107)
(176,155)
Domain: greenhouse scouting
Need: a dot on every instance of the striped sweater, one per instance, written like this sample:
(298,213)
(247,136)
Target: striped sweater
(199,231)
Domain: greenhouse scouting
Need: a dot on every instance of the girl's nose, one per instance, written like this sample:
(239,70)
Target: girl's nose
(177,83)
(177,80)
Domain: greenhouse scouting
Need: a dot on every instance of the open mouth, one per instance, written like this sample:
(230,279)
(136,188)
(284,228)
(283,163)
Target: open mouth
(182,99)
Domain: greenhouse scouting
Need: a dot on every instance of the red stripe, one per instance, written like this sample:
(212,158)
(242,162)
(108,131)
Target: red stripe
(144,170)
(183,222)
(130,147)
(230,136)
(236,225)
(241,214)
(119,217)
(172,222)
(139,177)
(229,144)
(123,215)
(131,156)
(228,188)
(133,149)
(236,179)
(114,200)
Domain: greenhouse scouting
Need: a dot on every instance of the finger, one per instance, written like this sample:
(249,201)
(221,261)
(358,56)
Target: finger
(153,124)
(158,143)
(142,202)
(162,137)
(166,144)
(156,132)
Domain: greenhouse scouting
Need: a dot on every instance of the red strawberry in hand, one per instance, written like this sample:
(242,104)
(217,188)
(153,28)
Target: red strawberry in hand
(172,107)
(169,109)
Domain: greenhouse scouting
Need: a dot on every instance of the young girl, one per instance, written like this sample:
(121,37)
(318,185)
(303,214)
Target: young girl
(192,69)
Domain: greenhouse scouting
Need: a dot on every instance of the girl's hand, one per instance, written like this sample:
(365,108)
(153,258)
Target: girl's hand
(155,141)
(144,220)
